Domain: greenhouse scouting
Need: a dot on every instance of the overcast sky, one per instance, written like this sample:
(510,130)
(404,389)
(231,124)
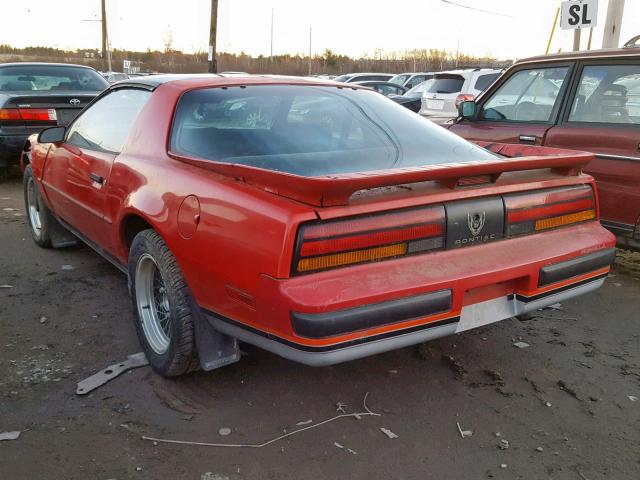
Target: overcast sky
(352,27)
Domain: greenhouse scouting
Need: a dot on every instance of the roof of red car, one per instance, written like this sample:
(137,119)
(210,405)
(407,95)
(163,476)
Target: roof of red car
(591,54)
(204,79)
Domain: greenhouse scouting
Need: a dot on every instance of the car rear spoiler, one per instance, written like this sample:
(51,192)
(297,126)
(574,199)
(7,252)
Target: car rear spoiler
(333,190)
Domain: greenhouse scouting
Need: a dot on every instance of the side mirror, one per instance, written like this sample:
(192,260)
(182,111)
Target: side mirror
(468,109)
(52,135)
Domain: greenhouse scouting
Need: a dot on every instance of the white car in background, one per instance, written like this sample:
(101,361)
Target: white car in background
(447,89)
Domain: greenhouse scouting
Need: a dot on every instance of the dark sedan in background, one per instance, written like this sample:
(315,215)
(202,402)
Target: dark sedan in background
(412,99)
(34,96)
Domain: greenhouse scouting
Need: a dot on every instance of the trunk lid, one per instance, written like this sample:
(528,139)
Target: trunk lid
(66,104)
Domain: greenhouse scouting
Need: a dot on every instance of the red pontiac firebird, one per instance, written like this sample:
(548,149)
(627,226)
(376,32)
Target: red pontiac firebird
(320,221)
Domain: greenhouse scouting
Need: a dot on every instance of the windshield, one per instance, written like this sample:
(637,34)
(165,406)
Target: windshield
(310,130)
(400,78)
(50,77)
(446,84)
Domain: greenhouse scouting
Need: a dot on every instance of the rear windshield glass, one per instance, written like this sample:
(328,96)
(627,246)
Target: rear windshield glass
(446,84)
(310,130)
(50,77)
(484,81)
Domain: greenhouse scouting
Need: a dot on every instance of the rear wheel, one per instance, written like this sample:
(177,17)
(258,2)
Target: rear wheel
(38,214)
(163,306)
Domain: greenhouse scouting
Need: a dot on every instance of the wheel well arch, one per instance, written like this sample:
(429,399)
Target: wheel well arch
(25,154)
(131,225)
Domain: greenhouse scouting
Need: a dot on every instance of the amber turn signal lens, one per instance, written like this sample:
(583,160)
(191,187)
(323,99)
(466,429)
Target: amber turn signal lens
(358,256)
(565,219)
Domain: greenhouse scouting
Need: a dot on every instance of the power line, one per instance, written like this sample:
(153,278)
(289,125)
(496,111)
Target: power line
(477,9)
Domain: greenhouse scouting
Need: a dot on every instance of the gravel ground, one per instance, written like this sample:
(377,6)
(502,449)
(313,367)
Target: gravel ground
(564,406)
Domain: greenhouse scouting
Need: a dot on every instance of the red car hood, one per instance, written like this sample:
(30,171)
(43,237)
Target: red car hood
(332,190)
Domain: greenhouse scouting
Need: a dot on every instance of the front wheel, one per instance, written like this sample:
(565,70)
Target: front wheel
(163,307)
(38,214)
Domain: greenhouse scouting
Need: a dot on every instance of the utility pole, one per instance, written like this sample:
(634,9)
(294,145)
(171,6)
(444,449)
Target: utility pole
(106,60)
(271,54)
(553,30)
(310,51)
(611,37)
(213,32)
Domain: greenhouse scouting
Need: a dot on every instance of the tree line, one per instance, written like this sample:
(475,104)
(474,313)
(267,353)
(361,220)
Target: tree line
(328,62)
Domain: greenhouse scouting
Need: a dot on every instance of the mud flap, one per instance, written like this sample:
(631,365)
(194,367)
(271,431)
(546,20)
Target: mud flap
(215,349)
(60,236)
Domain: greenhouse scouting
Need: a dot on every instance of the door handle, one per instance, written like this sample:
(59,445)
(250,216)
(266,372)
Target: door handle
(531,139)
(96,178)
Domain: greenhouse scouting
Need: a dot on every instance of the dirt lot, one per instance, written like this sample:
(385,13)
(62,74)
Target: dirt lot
(565,404)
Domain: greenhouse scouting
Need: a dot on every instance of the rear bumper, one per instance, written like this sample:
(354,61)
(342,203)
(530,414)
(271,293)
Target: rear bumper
(348,313)
(473,316)
(575,267)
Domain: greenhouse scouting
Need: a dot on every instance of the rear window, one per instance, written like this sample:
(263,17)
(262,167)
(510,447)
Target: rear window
(483,81)
(50,78)
(310,130)
(446,84)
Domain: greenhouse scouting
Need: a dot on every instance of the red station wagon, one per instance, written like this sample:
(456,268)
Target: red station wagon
(319,221)
(583,101)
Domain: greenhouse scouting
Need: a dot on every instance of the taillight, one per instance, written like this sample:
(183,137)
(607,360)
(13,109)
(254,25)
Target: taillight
(10,114)
(542,210)
(331,244)
(464,97)
(28,114)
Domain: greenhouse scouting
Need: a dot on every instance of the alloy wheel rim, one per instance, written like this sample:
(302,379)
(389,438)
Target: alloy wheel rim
(152,301)
(33,206)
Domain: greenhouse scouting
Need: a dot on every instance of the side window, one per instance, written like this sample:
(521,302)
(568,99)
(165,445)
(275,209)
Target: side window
(526,96)
(105,125)
(608,94)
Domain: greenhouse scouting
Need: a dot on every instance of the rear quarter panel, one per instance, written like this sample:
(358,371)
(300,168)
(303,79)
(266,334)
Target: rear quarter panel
(241,232)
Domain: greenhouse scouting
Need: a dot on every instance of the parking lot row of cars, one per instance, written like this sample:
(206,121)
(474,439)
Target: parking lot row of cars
(435,95)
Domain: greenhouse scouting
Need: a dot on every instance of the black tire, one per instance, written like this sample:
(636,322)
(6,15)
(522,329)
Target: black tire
(42,235)
(4,174)
(180,356)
